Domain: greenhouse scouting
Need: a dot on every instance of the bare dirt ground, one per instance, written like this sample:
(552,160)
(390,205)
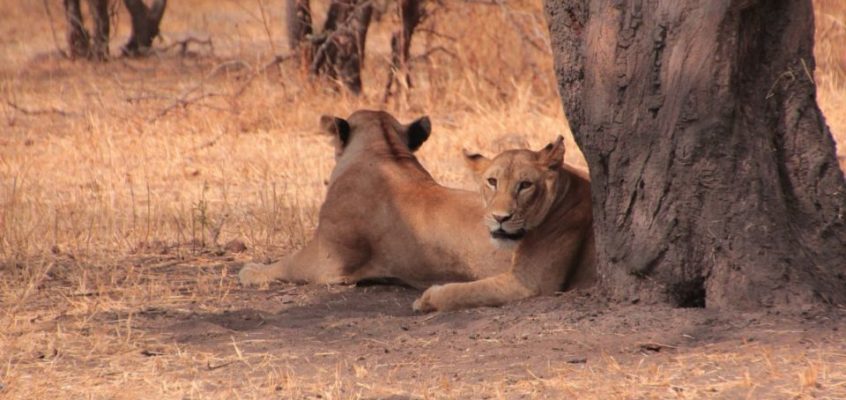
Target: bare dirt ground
(288,341)
(121,184)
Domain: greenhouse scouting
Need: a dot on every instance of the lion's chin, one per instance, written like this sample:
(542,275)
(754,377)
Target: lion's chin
(505,244)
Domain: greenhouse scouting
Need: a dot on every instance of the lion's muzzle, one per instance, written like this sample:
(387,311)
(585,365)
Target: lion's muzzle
(502,234)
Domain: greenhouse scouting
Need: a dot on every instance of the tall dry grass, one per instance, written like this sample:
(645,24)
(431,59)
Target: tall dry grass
(102,160)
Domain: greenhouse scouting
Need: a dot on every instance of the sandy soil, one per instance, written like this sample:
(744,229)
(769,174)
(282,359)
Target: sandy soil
(366,342)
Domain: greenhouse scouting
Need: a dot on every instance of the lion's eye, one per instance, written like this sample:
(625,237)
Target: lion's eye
(525,185)
(492,182)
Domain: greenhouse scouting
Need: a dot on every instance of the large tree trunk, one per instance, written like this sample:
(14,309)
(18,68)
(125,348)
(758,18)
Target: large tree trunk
(145,26)
(714,174)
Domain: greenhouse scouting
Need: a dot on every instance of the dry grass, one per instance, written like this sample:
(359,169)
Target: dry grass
(115,196)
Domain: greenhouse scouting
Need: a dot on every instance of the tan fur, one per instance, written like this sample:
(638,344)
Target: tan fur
(545,206)
(385,217)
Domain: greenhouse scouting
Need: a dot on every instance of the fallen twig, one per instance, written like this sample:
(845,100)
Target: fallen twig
(430,31)
(51,110)
(185,99)
(183,102)
(145,96)
(434,50)
(183,44)
(277,60)
(214,367)
(171,263)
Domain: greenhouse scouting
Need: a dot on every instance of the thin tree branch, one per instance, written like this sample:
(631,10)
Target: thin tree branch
(51,110)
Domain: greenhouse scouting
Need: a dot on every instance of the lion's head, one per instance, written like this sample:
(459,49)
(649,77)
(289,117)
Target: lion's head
(369,129)
(519,187)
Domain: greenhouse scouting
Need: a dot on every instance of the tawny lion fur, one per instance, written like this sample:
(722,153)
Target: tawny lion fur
(385,217)
(542,208)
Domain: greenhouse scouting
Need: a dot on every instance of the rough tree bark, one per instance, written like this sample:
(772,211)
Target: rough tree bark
(79,40)
(411,13)
(299,26)
(100,15)
(339,49)
(298,22)
(715,181)
(145,26)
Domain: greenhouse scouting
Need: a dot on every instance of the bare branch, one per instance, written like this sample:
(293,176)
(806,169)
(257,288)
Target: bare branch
(183,102)
(51,110)
(432,51)
(184,43)
(437,34)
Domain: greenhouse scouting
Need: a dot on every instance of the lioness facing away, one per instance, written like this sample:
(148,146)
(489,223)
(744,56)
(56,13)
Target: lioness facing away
(534,201)
(385,217)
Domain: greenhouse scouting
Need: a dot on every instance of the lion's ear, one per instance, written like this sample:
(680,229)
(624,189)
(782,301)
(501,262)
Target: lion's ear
(417,132)
(477,162)
(552,156)
(337,127)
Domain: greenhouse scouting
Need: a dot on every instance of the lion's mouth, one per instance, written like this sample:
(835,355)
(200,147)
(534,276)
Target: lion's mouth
(503,235)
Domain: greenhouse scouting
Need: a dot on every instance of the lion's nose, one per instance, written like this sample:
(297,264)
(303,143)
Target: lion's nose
(501,217)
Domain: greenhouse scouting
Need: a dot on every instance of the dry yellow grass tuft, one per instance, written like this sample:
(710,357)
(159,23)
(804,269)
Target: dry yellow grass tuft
(120,182)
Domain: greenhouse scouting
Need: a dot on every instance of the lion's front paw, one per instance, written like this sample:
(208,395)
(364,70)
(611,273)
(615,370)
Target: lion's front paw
(428,301)
(253,274)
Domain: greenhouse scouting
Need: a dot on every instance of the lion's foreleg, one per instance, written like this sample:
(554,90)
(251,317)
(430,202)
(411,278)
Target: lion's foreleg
(257,274)
(493,291)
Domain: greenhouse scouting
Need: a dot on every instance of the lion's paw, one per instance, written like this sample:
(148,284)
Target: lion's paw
(253,274)
(427,301)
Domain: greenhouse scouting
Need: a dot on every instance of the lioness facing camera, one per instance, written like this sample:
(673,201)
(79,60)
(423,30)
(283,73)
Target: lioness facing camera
(542,208)
(385,217)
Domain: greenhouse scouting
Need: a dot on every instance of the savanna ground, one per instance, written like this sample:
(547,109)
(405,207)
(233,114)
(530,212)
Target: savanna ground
(121,185)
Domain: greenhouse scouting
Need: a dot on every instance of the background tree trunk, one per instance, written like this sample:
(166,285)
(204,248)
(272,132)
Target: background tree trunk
(298,22)
(339,49)
(145,25)
(411,13)
(100,15)
(715,180)
(79,40)
(299,26)
(77,34)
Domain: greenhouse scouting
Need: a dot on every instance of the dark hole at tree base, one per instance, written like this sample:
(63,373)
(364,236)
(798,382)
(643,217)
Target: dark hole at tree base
(688,294)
